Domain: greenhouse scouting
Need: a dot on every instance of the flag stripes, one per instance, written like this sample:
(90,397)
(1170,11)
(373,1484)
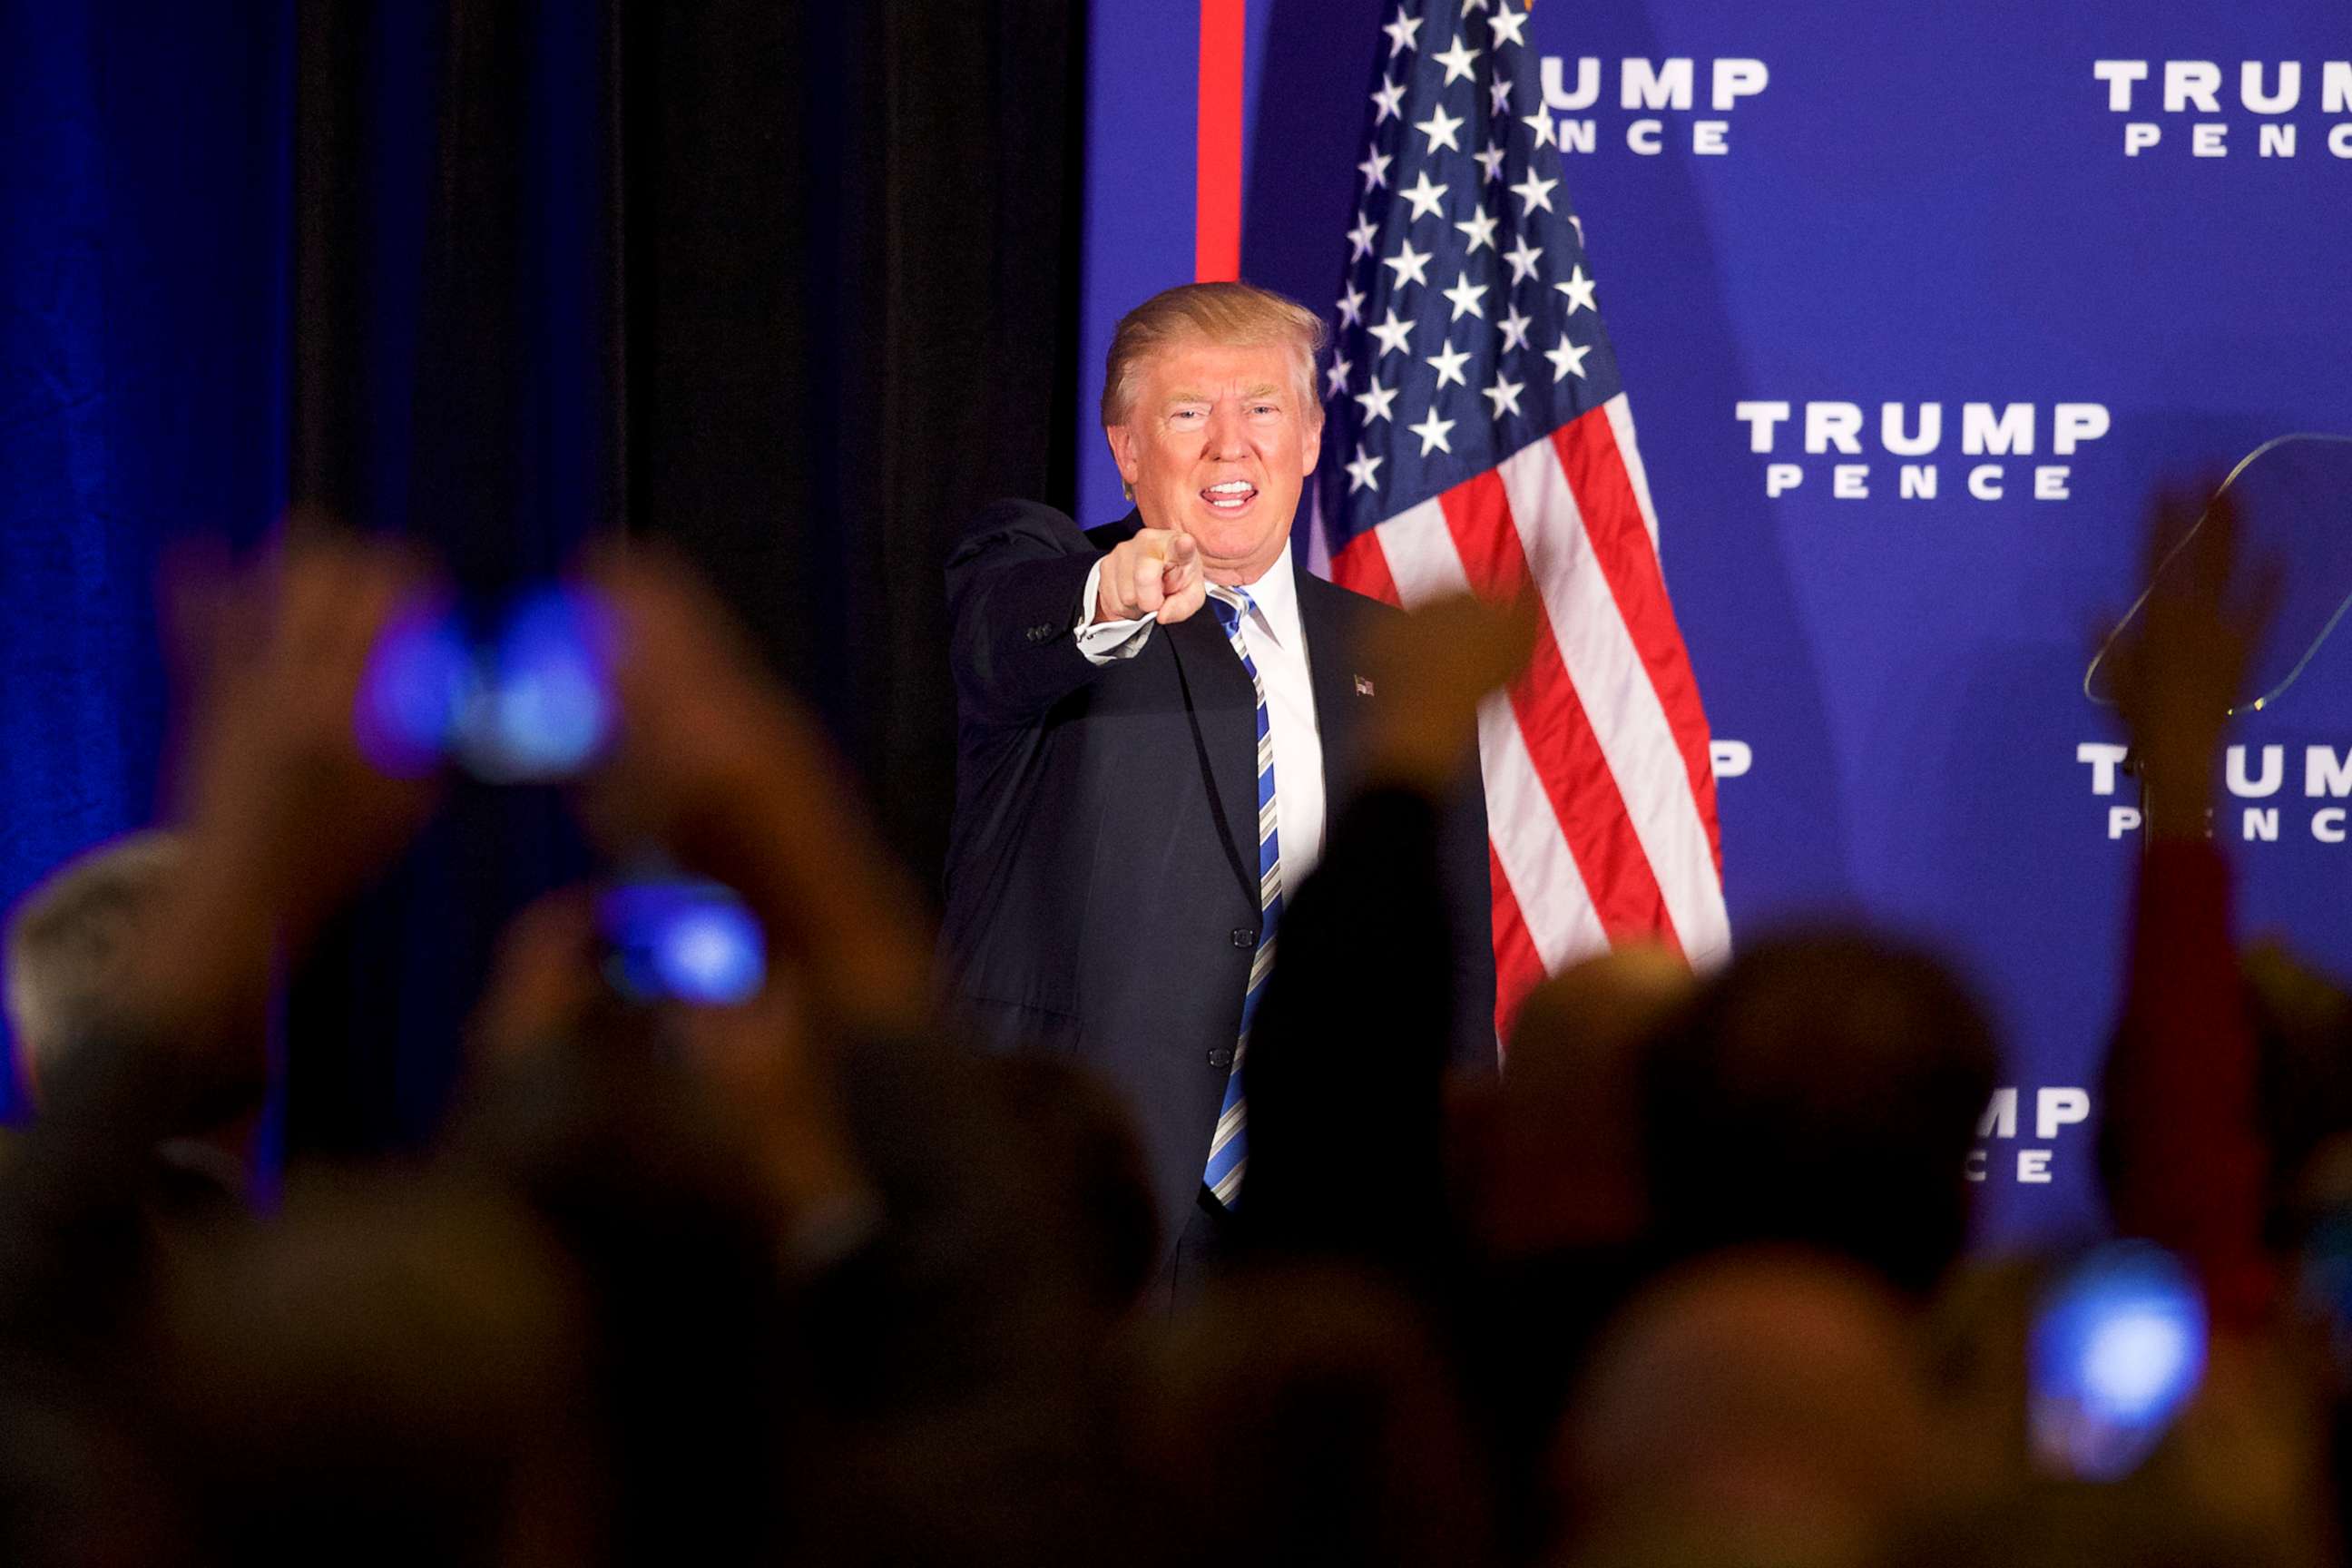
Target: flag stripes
(1575,801)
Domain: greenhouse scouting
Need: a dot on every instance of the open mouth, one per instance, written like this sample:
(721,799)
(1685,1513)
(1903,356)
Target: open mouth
(1231,496)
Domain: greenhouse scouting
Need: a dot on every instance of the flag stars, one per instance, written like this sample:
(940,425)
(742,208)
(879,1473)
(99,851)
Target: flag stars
(1535,196)
(1336,375)
(1457,61)
(1411,266)
(1389,103)
(1428,200)
(1375,168)
(1441,128)
(1465,296)
(1505,395)
(1395,336)
(1513,328)
(1360,471)
(1352,307)
(1498,96)
(1491,160)
(1579,289)
(1541,123)
(1448,363)
(1432,433)
(1523,258)
(1566,359)
(1508,27)
(1479,229)
(1376,399)
(1362,237)
(1403,33)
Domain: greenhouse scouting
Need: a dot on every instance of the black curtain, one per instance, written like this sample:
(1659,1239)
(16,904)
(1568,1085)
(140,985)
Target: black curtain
(790,286)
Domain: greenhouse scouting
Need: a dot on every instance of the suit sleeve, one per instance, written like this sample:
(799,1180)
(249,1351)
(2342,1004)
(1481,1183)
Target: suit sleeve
(1015,584)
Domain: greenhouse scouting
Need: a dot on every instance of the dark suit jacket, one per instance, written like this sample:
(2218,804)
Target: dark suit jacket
(1102,873)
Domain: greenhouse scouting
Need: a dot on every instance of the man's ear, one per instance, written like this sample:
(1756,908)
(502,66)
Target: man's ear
(1314,442)
(1122,438)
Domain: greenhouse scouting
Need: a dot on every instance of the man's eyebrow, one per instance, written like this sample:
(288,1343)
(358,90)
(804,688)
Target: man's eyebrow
(1186,394)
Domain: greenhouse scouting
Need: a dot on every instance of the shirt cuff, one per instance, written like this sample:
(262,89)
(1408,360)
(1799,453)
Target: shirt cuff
(1104,641)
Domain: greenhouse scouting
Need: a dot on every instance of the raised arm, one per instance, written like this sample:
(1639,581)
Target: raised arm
(2186,1164)
(1037,611)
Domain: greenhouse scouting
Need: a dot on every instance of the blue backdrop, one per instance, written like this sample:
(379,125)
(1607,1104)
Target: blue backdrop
(145,203)
(2086,219)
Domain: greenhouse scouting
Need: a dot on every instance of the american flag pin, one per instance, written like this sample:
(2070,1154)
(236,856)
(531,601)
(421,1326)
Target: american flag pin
(1363,686)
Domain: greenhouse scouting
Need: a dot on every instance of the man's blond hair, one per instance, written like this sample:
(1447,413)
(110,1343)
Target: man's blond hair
(1231,315)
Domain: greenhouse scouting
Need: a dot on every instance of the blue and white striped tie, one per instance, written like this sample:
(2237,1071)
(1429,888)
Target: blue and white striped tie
(1229,1146)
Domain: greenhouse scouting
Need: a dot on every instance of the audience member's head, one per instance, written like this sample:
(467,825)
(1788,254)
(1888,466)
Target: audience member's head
(1563,1163)
(2303,1031)
(74,944)
(1304,1416)
(1823,1090)
(1758,1407)
(388,1374)
(1087,1171)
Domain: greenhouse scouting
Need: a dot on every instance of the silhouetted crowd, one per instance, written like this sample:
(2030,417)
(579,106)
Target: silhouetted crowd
(808,1279)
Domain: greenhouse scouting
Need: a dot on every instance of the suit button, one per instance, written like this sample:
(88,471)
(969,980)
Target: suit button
(1245,936)
(1221,1057)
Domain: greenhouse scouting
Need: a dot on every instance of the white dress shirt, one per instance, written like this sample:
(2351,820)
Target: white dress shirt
(1278,646)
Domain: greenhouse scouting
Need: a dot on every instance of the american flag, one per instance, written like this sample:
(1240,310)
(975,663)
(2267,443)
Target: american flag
(1477,439)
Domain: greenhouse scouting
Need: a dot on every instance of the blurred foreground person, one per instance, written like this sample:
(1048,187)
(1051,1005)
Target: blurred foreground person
(1823,1090)
(1549,1172)
(390,1374)
(1303,1416)
(1758,1408)
(2118,1446)
(78,948)
(2225,1089)
(74,944)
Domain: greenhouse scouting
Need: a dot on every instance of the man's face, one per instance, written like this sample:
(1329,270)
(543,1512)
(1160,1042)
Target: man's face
(1216,444)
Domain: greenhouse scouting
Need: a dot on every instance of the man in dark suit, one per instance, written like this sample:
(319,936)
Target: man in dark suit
(1138,781)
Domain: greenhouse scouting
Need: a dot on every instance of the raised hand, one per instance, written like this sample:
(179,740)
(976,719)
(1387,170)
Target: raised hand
(2181,665)
(724,769)
(1432,666)
(1157,573)
(276,794)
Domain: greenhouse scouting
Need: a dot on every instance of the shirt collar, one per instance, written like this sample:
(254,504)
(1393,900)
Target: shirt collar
(1275,595)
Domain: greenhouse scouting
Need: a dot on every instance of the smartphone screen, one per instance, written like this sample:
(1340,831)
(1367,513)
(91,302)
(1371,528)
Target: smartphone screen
(681,940)
(2116,1351)
(518,690)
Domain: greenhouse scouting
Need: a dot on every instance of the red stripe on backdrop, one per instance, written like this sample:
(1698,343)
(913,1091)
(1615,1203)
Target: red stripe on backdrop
(1217,181)
(1363,565)
(1558,731)
(1612,522)
(1519,968)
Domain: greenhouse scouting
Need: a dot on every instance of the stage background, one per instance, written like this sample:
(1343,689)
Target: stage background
(798,287)
(1920,205)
